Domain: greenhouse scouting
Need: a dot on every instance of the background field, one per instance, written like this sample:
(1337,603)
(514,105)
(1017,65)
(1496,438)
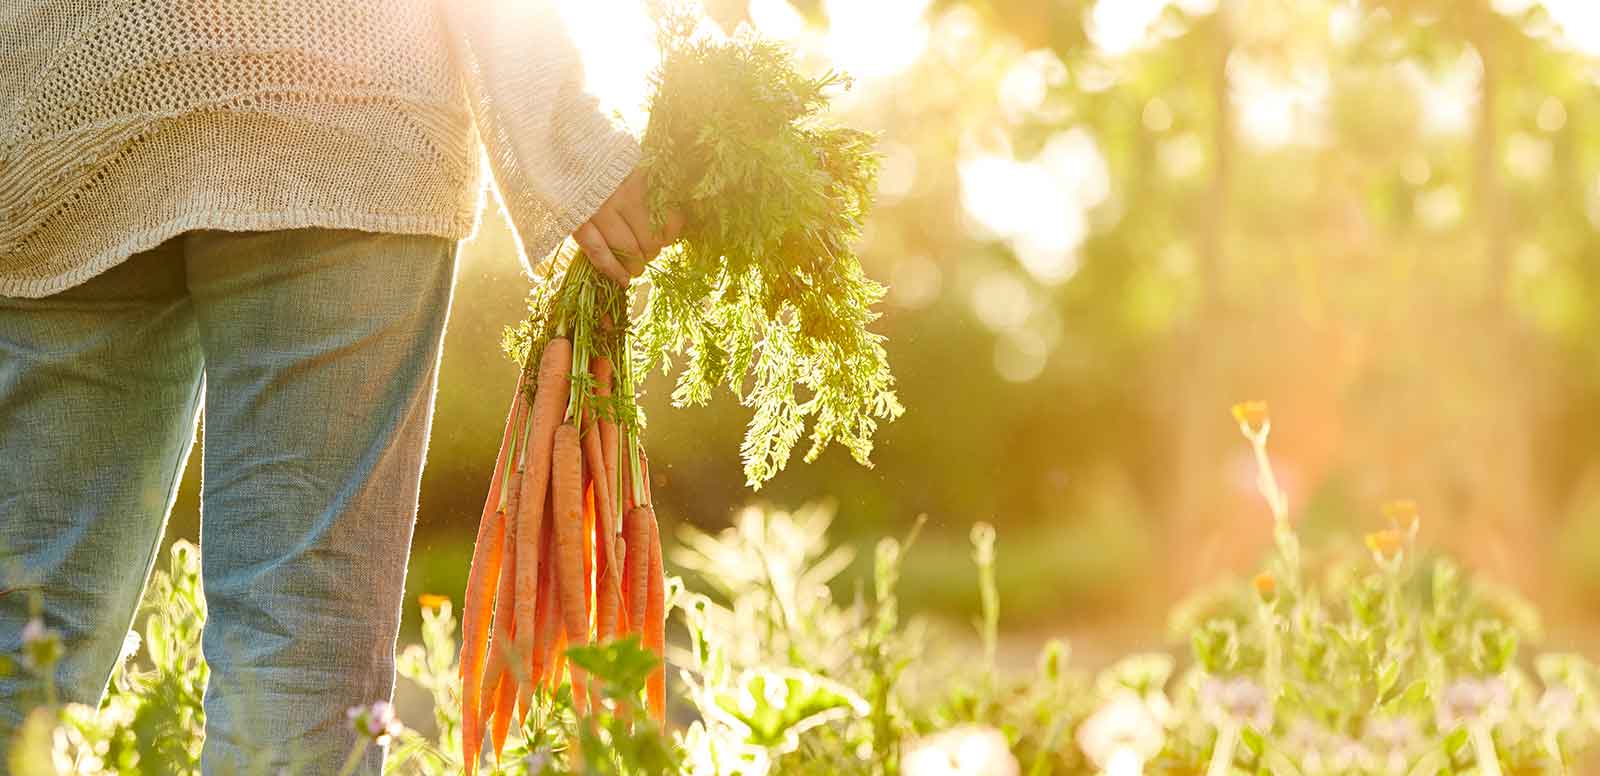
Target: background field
(1104,222)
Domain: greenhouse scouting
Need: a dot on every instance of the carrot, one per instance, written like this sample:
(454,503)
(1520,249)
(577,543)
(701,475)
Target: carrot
(636,532)
(620,627)
(505,709)
(549,405)
(546,612)
(567,479)
(476,638)
(607,596)
(500,647)
(655,628)
(594,461)
(485,569)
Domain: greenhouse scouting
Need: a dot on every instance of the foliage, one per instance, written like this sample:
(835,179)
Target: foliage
(763,293)
(1379,664)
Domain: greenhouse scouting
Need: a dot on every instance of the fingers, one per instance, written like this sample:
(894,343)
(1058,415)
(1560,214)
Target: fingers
(673,229)
(622,240)
(593,243)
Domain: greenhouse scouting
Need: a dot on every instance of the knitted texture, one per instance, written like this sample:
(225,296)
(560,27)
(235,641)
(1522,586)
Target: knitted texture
(124,123)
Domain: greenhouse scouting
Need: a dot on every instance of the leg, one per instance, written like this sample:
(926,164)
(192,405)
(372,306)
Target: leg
(99,386)
(322,350)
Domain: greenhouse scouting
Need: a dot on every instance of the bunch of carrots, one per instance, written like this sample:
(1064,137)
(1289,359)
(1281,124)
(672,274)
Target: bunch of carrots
(568,548)
(762,295)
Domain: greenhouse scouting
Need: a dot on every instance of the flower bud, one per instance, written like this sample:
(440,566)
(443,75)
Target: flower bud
(1386,545)
(1266,586)
(1252,416)
(432,601)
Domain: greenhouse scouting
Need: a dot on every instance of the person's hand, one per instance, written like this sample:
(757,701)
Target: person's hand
(619,238)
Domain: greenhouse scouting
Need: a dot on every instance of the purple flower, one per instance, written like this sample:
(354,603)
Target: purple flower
(1241,699)
(376,722)
(41,646)
(1471,699)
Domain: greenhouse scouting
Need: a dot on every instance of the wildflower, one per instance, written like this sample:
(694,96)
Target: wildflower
(1468,700)
(1386,545)
(538,759)
(969,750)
(432,601)
(1124,724)
(1399,733)
(1242,699)
(1402,514)
(1266,586)
(376,722)
(1252,417)
(1558,708)
(41,646)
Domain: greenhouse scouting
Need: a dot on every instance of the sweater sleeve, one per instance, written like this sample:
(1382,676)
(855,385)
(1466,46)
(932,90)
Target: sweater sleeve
(554,154)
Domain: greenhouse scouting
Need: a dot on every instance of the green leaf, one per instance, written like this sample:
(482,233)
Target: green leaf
(774,706)
(624,665)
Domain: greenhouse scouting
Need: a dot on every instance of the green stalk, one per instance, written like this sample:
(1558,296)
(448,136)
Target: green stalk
(1222,754)
(1274,649)
(1483,748)
(354,759)
(512,456)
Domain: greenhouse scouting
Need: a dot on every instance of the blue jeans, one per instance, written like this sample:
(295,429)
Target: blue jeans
(314,354)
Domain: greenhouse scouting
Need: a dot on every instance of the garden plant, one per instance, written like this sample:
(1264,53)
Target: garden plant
(1386,661)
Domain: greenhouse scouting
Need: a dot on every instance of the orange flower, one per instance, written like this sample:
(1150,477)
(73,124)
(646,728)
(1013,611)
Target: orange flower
(432,601)
(1266,586)
(1386,545)
(1402,513)
(1252,415)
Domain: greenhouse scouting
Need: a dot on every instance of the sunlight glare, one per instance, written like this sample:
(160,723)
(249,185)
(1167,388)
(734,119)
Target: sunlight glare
(1020,355)
(1579,21)
(1125,762)
(777,19)
(1120,27)
(1448,99)
(1039,207)
(1279,109)
(617,41)
(876,39)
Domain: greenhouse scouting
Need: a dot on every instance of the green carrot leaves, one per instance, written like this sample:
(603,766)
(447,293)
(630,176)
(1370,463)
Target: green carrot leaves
(764,294)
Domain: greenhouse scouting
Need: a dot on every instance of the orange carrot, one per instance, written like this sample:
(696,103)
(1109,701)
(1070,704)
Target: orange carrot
(500,649)
(547,614)
(594,462)
(505,709)
(636,532)
(476,638)
(567,480)
(607,596)
(485,570)
(655,628)
(620,627)
(491,506)
(549,405)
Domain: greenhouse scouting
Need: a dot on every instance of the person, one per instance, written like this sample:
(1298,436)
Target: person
(251,209)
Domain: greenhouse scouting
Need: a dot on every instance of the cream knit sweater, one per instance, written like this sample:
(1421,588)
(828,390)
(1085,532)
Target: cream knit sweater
(126,122)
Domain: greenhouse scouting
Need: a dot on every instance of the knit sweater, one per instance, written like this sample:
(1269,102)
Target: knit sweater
(124,123)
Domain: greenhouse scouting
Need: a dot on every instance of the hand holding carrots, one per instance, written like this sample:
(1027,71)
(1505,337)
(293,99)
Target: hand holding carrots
(620,238)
